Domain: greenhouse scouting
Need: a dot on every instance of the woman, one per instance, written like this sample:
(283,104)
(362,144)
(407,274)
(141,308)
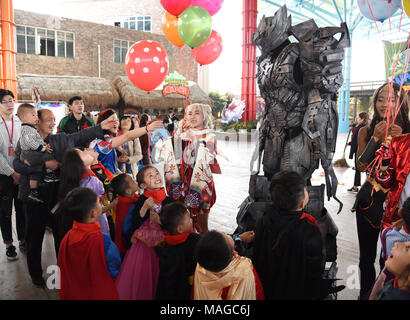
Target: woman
(132,148)
(195,149)
(362,121)
(106,147)
(144,141)
(369,202)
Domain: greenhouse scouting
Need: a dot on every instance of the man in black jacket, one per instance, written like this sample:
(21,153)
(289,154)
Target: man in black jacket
(288,244)
(169,121)
(37,214)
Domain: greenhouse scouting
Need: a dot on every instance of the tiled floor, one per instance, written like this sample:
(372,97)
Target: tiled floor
(232,189)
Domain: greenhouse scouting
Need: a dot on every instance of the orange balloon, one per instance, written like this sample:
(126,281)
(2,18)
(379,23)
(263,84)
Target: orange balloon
(170,28)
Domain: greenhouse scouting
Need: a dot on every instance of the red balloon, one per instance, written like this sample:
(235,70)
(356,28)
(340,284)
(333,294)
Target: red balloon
(210,50)
(146,64)
(175,7)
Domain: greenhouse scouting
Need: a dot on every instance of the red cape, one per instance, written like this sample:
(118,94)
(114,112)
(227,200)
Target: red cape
(123,206)
(83,268)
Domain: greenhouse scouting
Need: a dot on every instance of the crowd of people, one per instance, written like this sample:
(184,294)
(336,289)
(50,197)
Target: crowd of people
(133,226)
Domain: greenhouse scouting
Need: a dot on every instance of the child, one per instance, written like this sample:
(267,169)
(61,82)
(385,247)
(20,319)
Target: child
(124,188)
(398,264)
(221,273)
(139,272)
(176,258)
(389,237)
(88,259)
(288,244)
(34,150)
(194,152)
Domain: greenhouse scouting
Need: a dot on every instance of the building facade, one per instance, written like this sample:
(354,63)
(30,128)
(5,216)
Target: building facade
(50,45)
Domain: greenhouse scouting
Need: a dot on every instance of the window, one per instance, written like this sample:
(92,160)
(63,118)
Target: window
(45,42)
(26,40)
(120,50)
(141,23)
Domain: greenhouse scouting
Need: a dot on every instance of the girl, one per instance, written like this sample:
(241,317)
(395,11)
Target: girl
(399,265)
(144,140)
(106,147)
(194,150)
(138,277)
(132,148)
(76,172)
(369,202)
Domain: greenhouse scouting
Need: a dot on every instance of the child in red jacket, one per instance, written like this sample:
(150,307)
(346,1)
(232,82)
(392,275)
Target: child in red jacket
(88,259)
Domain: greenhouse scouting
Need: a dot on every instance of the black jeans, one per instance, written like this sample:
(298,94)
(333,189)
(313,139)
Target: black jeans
(38,216)
(8,193)
(369,211)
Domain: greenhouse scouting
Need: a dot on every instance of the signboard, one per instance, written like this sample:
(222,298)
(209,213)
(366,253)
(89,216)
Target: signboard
(175,89)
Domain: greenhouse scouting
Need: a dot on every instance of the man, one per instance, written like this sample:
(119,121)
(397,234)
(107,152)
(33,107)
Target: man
(288,244)
(10,127)
(169,121)
(39,213)
(76,120)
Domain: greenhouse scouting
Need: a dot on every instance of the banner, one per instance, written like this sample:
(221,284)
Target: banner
(396,60)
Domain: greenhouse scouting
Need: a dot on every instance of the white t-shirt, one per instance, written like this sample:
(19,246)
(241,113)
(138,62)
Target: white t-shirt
(405,194)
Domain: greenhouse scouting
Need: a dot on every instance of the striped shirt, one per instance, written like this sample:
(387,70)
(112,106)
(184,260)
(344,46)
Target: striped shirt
(6,160)
(30,139)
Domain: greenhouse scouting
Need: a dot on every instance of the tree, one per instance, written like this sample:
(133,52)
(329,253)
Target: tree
(219,102)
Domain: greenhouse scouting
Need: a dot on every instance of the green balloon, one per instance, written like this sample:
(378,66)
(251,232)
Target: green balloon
(194,26)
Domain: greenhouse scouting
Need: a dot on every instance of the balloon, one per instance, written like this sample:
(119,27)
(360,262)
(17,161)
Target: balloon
(175,7)
(146,64)
(210,50)
(212,6)
(406,7)
(170,28)
(194,26)
(381,9)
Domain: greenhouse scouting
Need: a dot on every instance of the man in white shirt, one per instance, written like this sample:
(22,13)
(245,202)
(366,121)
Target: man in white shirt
(10,127)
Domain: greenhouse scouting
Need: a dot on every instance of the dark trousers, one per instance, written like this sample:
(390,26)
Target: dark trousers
(368,238)
(357,176)
(8,193)
(38,216)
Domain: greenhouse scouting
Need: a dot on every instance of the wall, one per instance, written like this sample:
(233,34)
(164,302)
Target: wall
(87,37)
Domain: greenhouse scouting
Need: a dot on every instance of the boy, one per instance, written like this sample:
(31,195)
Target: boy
(34,150)
(149,203)
(288,244)
(176,259)
(87,258)
(221,273)
(124,188)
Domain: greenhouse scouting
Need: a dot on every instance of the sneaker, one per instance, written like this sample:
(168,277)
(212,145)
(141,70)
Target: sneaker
(35,196)
(353,189)
(51,177)
(38,282)
(11,253)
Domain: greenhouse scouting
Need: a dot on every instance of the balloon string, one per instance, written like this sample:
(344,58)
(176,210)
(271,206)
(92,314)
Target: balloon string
(180,60)
(398,107)
(371,11)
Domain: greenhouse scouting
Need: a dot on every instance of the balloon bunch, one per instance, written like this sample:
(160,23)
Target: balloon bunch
(189,22)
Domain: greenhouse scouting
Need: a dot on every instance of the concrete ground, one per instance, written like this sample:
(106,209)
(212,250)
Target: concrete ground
(232,189)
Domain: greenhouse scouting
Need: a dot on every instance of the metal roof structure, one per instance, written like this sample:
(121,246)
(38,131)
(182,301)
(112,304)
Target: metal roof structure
(331,13)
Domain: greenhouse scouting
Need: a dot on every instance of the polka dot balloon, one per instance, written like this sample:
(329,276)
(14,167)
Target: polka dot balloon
(146,64)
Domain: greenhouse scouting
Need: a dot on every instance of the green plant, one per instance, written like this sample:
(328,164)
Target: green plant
(219,101)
